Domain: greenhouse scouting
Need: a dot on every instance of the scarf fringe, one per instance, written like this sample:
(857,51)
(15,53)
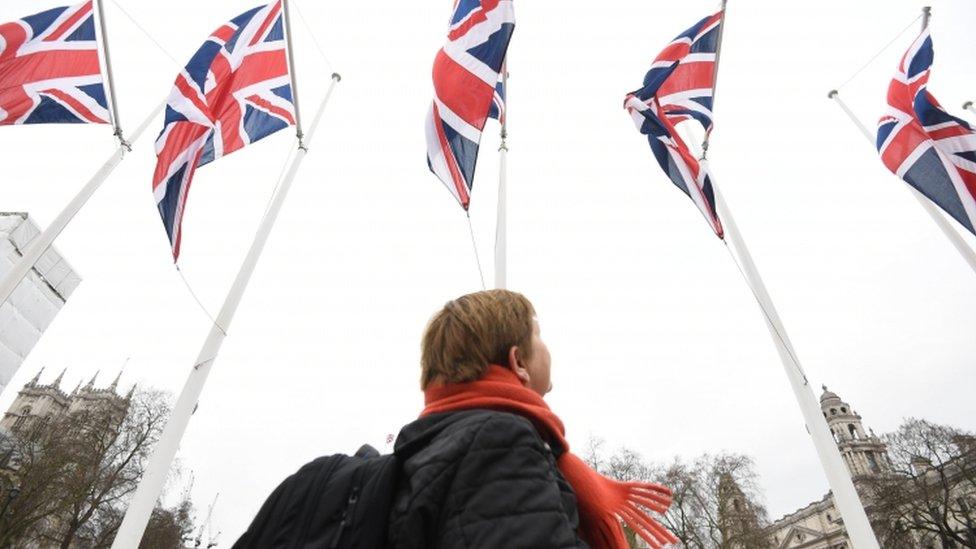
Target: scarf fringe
(634,498)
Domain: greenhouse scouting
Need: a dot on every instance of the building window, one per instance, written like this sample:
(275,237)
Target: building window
(833,411)
(873,462)
(23,417)
(843,410)
(850,427)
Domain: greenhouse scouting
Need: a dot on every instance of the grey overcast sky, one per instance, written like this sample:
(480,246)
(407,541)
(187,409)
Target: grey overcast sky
(656,341)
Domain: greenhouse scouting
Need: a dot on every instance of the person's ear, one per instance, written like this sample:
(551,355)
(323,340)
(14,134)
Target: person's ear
(515,365)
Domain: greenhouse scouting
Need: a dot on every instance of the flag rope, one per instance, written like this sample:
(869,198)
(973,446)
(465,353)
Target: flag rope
(149,36)
(474,245)
(787,347)
(311,33)
(267,207)
(882,50)
(199,303)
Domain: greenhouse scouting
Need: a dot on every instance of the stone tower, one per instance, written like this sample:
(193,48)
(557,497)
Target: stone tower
(863,452)
(34,402)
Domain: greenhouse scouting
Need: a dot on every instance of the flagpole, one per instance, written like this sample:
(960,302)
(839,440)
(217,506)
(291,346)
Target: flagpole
(718,57)
(838,477)
(150,487)
(40,244)
(967,253)
(501,229)
(291,73)
(109,80)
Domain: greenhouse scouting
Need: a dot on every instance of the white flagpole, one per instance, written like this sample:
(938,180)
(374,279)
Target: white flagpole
(150,487)
(501,229)
(109,80)
(36,248)
(289,54)
(718,58)
(838,477)
(954,237)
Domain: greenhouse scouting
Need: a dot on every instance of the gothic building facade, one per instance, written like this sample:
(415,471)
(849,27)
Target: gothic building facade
(38,403)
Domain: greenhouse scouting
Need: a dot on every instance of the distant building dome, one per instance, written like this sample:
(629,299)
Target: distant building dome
(827,395)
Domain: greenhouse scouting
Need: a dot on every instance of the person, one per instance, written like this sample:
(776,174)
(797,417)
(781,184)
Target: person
(487,463)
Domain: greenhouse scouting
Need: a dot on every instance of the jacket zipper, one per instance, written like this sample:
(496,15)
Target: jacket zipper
(346,515)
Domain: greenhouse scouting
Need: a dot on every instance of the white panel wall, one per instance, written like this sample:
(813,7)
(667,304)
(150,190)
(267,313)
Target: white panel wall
(36,301)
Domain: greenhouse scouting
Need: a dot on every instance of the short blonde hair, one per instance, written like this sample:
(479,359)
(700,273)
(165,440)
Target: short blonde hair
(473,331)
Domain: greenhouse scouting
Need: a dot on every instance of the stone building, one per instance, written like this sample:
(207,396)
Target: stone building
(818,525)
(41,402)
(37,401)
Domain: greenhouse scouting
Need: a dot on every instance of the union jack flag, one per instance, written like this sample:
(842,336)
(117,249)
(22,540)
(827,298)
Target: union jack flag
(676,89)
(467,90)
(49,69)
(234,91)
(923,144)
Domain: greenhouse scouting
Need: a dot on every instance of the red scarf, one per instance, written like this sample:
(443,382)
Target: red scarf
(602,501)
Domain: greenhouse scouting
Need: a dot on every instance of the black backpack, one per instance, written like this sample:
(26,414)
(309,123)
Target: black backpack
(332,502)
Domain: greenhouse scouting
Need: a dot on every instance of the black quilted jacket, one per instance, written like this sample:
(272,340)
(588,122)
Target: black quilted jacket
(480,479)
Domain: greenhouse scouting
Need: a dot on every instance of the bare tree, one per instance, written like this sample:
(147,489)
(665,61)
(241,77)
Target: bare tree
(169,527)
(76,472)
(931,491)
(31,492)
(717,502)
(717,498)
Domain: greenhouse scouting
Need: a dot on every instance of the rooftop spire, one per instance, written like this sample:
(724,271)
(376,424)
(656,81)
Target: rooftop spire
(37,377)
(91,383)
(115,383)
(57,382)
